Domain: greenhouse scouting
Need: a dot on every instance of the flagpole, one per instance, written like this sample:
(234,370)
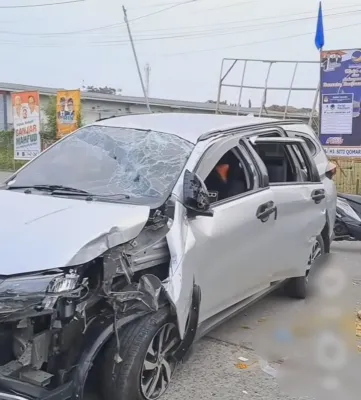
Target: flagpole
(319,42)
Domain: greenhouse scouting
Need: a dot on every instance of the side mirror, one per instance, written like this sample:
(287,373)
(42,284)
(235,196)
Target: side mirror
(195,194)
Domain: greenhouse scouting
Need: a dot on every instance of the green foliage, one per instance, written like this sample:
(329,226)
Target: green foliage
(49,130)
(79,117)
(7,162)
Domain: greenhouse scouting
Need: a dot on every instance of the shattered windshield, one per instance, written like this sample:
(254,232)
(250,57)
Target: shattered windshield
(108,160)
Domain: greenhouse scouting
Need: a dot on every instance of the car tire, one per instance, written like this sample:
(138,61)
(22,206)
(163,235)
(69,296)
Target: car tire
(129,378)
(297,288)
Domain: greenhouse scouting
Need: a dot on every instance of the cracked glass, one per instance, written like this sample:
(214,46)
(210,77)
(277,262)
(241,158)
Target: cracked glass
(143,165)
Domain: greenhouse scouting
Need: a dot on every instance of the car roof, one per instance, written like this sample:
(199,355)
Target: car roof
(188,126)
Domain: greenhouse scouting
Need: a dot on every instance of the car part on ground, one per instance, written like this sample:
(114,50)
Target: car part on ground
(298,287)
(348,218)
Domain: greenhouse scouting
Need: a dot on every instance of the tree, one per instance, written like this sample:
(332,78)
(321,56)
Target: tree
(103,90)
(49,131)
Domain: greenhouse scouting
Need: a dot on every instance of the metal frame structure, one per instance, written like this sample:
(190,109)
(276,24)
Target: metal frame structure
(265,88)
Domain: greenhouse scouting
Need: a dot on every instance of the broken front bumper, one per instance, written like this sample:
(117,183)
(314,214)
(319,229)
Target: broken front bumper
(98,333)
(17,390)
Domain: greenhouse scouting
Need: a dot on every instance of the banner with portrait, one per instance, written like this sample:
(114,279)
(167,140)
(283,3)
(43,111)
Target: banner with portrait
(26,120)
(67,112)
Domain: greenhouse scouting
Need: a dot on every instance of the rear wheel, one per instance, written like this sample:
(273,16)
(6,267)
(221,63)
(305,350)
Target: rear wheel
(298,287)
(147,366)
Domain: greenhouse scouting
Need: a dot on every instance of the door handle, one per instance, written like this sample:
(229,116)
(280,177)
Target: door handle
(265,210)
(318,195)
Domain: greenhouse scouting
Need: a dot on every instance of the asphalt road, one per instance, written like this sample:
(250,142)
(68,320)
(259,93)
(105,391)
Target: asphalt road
(212,372)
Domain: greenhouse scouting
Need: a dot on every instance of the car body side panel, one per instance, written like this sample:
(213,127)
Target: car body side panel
(179,286)
(299,221)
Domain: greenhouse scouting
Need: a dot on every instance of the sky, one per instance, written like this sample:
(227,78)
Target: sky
(85,42)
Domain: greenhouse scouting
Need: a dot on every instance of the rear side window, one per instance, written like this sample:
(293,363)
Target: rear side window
(310,143)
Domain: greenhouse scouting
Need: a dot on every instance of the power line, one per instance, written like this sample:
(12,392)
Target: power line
(104,26)
(183,27)
(259,42)
(159,5)
(239,3)
(202,33)
(59,3)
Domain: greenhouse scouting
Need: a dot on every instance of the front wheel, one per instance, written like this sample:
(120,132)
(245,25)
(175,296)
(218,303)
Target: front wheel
(297,288)
(146,349)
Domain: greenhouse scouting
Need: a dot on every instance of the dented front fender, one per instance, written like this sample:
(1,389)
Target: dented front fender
(179,286)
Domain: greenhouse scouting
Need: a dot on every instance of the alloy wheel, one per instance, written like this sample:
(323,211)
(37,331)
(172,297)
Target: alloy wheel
(158,365)
(316,252)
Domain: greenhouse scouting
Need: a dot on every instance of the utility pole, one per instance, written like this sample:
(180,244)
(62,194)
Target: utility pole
(136,59)
(147,70)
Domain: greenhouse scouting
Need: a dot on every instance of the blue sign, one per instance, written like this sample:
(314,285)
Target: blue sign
(340,112)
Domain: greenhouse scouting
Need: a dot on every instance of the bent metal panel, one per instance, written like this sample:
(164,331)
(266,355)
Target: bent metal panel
(26,119)
(340,97)
(67,112)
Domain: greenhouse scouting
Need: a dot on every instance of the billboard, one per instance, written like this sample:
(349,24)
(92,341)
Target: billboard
(340,97)
(67,112)
(26,119)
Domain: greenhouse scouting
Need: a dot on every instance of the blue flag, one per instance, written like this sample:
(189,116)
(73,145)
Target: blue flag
(320,37)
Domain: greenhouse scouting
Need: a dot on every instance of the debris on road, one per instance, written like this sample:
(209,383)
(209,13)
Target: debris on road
(243,359)
(242,366)
(265,367)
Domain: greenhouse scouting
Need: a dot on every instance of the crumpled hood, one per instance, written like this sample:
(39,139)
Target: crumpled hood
(39,232)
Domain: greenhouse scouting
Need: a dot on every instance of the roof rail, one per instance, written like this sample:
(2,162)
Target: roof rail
(251,126)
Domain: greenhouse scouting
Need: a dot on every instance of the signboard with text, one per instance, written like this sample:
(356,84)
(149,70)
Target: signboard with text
(340,97)
(26,119)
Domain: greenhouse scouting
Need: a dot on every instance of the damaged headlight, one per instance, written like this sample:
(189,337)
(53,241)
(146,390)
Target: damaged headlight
(17,293)
(38,285)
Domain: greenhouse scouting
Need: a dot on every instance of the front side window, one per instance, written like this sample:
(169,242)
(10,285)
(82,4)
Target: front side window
(229,177)
(106,160)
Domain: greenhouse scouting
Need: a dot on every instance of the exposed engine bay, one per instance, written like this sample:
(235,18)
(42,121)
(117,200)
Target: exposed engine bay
(44,316)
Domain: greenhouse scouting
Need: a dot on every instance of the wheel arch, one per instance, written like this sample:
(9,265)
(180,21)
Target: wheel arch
(96,337)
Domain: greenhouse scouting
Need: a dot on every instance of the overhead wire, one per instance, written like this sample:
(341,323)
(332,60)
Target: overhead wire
(104,26)
(119,40)
(135,32)
(259,42)
(58,3)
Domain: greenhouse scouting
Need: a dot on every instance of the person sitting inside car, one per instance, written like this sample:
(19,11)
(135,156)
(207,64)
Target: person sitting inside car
(226,178)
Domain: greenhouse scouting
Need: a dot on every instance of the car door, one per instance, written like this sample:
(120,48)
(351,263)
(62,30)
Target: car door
(232,247)
(325,168)
(301,206)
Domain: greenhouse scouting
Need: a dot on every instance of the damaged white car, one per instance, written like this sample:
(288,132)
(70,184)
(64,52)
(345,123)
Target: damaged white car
(129,238)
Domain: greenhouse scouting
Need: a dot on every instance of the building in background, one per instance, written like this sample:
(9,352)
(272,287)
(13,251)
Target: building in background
(98,105)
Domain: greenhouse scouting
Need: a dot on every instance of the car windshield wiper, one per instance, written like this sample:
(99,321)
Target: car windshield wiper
(51,188)
(69,191)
